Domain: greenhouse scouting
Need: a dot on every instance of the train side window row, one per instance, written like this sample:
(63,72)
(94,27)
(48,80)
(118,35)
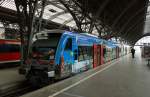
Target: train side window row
(85,53)
(9,48)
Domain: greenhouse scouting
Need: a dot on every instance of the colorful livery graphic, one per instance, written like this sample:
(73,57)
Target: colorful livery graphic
(57,54)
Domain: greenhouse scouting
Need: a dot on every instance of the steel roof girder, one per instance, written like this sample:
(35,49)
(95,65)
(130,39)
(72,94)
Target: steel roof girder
(58,14)
(80,16)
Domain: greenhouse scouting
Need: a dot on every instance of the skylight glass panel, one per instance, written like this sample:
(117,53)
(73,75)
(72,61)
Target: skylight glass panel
(1,25)
(143,40)
(71,24)
(94,32)
(61,5)
(54,8)
(148,16)
(147,21)
(65,16)
(148,8)
(50,11)
(47,11)
(58,20)
(47,14)
(10,4)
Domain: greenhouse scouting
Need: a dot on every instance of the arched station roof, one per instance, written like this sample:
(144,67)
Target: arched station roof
(126,18)
(109,18)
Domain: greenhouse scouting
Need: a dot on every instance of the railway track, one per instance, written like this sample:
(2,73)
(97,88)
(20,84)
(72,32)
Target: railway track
(16,90)
(20,88)
(8,65)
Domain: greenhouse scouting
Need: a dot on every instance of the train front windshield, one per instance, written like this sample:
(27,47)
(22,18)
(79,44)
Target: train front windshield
(45,46)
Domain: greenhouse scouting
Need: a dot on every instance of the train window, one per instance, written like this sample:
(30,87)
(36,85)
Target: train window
(4,48)
(75,55)
(104,51)
(1,48)
(85,53)
(80,54)
(46,42)
(43,53)
(14,48)
(69,44)
(90,52)
(9,48)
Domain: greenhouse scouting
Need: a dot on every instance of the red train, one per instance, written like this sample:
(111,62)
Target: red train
(9,51)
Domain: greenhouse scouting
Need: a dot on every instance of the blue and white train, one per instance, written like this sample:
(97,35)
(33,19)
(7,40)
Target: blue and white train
(57,54)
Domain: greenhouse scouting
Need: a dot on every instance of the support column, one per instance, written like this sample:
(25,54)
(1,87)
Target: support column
(117,52)
(30,18)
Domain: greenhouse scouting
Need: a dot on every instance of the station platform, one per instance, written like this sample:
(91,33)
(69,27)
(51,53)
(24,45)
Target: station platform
(123,77)
(9,78)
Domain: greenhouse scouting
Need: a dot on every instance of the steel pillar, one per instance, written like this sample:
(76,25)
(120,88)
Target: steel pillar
(30,16)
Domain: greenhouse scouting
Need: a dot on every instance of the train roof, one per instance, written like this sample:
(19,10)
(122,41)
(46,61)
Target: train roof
(90,39)
(53,31)
(82,39)
(10,41)
(67,32)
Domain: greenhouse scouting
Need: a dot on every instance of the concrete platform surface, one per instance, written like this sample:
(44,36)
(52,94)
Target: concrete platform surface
(125,77)
(10,77)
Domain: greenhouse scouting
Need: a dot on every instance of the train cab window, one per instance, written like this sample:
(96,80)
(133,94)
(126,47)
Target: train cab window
(44,53)
(69,44)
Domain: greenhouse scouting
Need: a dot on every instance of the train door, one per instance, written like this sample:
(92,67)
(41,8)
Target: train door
(67,58)
(95,56)
(75,54)
(98,55)
(102,55)
(98,58)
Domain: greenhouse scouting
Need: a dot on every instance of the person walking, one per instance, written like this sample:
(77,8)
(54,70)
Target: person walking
(133,52)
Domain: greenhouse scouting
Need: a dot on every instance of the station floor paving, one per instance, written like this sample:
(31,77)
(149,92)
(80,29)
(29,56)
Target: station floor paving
(10,77)
(124,77)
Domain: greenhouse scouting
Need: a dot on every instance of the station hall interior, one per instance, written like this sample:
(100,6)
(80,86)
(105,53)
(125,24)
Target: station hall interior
(74,48)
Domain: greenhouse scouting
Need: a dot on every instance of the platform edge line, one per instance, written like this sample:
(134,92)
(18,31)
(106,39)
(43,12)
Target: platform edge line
(75,84)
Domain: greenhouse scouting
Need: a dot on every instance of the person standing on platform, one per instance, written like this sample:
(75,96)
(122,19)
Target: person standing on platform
(133,52)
